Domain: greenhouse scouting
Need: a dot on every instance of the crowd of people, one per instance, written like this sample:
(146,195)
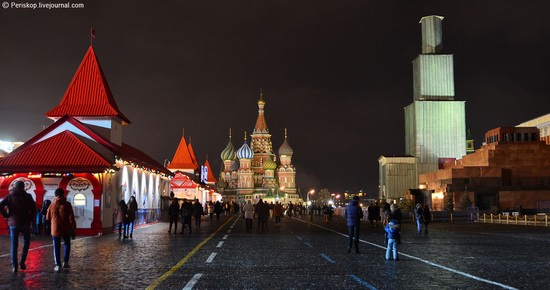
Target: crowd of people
(21,213)
(125,217)
(390,215)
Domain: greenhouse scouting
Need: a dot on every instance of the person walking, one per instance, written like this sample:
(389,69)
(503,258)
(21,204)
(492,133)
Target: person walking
(290,209)
(427,217)
(374,214)
(395,214)
(37,223)
(218,209)
(43,212)
(121,218)
(261,213)
(353,214)
(394,238)
(248,215)
(277,213)
(21,213)
(186,214)
(211,209)
(173,213)
(418,216)
(61,215)
(197,213)
(132,212)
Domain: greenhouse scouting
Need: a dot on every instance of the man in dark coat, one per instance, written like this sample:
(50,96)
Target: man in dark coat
(186,214)
(262,214)
(354,214)
(173,213)
(21,212)
(197,213)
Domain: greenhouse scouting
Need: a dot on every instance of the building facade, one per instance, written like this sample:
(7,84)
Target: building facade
(191,181)
(511,171)
(435,123)
(83,153)
(543,124)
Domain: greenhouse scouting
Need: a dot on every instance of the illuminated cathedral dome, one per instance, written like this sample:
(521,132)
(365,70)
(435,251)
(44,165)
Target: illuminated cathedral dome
(269,164)
(245,152)
(229,152)
(285,149)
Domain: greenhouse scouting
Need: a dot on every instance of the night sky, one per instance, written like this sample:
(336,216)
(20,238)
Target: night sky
(336,73)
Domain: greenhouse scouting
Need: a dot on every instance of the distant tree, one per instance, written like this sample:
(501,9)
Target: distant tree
(448,202)
(465,202)
(323,196)
(405,203)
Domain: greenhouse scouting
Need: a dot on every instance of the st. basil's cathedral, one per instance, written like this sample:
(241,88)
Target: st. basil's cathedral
(252,172)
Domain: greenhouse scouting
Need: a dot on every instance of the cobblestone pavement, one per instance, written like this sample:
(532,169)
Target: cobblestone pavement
(297,255)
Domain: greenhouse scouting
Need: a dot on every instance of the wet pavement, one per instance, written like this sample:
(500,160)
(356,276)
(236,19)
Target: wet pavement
(297,255)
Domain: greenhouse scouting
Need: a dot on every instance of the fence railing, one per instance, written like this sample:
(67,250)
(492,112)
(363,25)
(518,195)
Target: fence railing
(534,220)
(473,215)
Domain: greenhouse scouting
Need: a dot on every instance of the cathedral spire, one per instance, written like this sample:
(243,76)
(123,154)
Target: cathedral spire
(261,125)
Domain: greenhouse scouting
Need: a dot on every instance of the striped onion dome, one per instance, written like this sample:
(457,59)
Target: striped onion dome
(229,152)
(285,149)
(245,152)
(269,164)
(236,165)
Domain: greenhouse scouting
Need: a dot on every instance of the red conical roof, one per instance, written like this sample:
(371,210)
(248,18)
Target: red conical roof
(182,158)
(211,177)
(88,94)
(192,153)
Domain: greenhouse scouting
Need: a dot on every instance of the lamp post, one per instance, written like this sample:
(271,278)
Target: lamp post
(309,207)
(308,193)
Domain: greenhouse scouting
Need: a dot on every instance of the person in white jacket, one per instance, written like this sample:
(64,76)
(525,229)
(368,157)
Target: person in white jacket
(248,215)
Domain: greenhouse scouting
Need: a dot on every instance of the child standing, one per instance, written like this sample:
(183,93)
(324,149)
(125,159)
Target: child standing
(394,237)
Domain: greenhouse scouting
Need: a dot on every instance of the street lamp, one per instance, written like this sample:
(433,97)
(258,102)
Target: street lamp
(308,193)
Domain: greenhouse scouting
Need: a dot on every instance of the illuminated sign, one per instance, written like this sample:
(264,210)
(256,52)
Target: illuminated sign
(204,174)
(79,184)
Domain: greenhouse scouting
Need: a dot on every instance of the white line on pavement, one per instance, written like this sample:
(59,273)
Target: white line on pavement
(220,244)
(225,237)
(363,282)
(328,258)
(192,282)
(211,258)
(425,261)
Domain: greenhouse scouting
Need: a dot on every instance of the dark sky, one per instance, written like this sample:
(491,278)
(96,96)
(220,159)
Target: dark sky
(336,73)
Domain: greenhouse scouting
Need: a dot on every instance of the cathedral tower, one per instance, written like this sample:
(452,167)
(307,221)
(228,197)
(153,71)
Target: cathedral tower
(260,144)
(286,172)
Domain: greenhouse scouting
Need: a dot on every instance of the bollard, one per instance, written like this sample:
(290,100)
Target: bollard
(508,219)
(451,217)
(525,216)
(491,218)
(516,219)
(535,218)
(546,219)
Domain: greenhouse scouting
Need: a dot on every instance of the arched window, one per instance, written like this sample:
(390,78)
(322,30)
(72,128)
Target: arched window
(79,199)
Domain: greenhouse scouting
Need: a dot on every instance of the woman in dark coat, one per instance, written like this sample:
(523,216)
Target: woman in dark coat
(427,217)
(197,213)
(121,218)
